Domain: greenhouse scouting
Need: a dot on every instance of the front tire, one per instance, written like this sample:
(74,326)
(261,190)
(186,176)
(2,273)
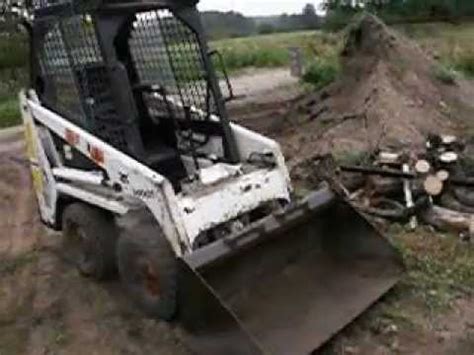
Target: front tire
(148,269)
(90,240)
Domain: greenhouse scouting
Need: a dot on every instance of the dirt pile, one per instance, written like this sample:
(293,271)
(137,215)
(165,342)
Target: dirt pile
(387,96)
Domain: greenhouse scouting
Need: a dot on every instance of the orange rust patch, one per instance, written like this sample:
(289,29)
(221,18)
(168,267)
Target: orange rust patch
(97,155)
(72,138)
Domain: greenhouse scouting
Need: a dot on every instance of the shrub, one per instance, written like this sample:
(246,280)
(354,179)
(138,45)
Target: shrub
(321,72)
(465,64)
(268,51)
(9,113)
(255,57)
(13,51)
(336,21)
(444,74)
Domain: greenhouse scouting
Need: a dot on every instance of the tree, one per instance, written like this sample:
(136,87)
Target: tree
(266,28)
(309,17)
(397,10)
(309,10)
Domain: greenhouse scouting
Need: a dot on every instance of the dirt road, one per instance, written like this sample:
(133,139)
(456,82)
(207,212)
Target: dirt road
(254,84)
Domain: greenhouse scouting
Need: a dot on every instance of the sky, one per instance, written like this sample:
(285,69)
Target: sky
(258,7)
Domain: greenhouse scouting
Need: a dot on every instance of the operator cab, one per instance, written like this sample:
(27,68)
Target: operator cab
(140,77)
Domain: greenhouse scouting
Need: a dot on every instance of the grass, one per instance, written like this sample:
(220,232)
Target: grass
(9,113)
(269,51)
(440,269)
(452,45)
(321,73)
(353,157)
(444,74)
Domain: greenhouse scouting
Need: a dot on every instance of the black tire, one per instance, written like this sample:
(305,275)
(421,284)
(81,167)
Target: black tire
(90,238)
(148,269)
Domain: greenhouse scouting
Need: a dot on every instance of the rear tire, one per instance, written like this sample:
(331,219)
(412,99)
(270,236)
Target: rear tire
(148,269)
(90,240)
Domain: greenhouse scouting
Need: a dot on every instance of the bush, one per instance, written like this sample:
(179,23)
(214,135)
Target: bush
(337,21)
(266,28)
(255,57)
(267,51)
(13,51)
(465,64)
(9,113)
(321,72)
(444,74)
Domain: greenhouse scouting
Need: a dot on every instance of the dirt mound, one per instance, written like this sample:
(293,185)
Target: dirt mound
(388,95)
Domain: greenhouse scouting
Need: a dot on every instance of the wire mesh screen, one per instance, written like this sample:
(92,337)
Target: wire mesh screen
(42,4)
(84,95)
(61,92)
(167,54)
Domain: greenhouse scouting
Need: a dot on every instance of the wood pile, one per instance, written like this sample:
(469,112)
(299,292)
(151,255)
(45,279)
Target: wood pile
(433,187)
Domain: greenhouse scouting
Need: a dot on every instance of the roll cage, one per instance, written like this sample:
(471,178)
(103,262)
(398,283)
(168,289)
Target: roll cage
(136,74)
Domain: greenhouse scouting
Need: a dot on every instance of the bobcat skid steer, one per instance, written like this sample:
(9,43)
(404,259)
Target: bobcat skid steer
(133,157)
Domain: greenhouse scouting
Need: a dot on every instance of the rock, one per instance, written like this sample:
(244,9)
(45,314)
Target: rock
(395,345)
(390,329)
(443,336)
(350,350)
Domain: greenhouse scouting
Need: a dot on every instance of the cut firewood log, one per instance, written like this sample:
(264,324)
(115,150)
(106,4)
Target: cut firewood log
(448,158)
(422,167)
(443,175)
(433,185)
(447,220)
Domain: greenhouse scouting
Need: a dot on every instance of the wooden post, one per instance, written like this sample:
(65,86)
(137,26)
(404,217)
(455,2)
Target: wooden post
(296,57)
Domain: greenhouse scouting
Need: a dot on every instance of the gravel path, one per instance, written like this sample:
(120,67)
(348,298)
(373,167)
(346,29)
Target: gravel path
(254,83)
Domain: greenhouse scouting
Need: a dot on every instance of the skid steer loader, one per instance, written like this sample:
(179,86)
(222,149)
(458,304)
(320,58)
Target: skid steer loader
(134,158)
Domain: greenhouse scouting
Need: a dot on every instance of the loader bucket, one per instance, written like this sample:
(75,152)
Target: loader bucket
(287,284)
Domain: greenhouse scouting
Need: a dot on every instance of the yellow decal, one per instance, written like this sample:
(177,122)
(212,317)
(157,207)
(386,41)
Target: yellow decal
(37,179)
(30,141)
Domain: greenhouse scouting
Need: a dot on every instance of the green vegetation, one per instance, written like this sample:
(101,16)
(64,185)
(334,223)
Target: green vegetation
(260,51)
(440,268)
(340,12)
(352,157)
(321,73)
(444,74)
(451,44)
(9,113)
(232,24)
(13,64)
(13,52)
(266,51)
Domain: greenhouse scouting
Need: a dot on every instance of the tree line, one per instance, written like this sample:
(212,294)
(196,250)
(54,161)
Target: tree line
(233,24)
(339,11)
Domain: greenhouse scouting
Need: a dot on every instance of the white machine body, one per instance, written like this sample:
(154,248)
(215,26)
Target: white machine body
(120,183)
